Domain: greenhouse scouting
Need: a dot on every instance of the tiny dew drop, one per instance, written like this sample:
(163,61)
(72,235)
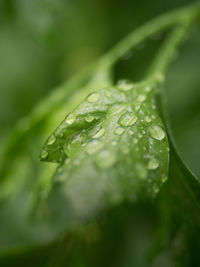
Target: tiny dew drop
(140,135)
(70,118)
(105,159)
(147,119)
(125,85)
(128,119)
(164,178)
(153,164)
(94,147)
(89,118)
(94,97)
(141,98)
(44,154)
(51,140)
(160,77)
(137,106)
(119,131)
(157,132)
(99,133)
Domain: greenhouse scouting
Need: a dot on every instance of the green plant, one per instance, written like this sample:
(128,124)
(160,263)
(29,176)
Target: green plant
(112,148)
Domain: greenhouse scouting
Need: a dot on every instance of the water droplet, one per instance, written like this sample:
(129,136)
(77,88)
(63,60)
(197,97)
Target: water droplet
(140,135)
(125,85)
(94,97)
(117,108)
(148,88)
(128,119)
(119,130)
(156,132)
(141,98)
(160,77)
(44,154)
(70,118)
(93,147)
(99,133)
(153,164)
(137,106)
(89,118)
(105,159)
(164,178)
(147,119)
(51,140)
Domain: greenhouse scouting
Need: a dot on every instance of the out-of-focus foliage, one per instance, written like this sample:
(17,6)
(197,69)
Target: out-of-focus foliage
(42,44)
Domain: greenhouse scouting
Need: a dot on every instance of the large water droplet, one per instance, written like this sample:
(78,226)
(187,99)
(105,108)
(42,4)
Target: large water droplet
(99,133)
(153,164)
(51,140)
(157,132)
(119,131)
(105,159)
(94,97)
(117,108)
(70,118)
(93,147)
(128,119)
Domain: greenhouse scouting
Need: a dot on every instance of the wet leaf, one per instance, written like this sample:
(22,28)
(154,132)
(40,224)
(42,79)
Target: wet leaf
(112,147)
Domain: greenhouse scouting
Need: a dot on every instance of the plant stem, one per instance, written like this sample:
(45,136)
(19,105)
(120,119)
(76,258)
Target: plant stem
(180,17)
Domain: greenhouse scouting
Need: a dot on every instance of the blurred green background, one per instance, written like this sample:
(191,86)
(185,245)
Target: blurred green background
(43,43)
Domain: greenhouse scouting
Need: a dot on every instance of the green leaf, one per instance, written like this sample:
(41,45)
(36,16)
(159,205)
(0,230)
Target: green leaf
(112,145)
